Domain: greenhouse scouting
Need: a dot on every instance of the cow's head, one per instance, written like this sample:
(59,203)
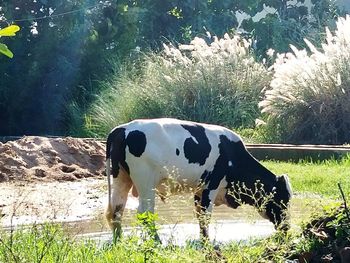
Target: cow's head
(276,208)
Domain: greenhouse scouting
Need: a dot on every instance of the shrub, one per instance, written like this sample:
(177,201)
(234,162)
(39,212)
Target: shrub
(217,83)
(308,99)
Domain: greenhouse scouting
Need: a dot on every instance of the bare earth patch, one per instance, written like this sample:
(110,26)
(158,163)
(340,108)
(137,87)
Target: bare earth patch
(45,179)
(47,159)
(27,203)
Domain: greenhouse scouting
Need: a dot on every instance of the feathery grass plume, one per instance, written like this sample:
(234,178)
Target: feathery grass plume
(308,99)
(219,82)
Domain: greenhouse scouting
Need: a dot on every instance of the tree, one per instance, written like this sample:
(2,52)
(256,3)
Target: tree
(64,48)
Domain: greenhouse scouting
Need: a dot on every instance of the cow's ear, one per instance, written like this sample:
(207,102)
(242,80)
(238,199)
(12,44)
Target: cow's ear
(285,180)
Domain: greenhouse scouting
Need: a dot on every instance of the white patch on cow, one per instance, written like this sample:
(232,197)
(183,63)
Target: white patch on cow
(220,197)
(289,186)
(195,140)
(163,137)
(230,163)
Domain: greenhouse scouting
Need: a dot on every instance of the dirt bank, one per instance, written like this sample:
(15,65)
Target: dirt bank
(51,179)
(48,159)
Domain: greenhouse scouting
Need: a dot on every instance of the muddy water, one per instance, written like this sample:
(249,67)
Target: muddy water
(180,209)
(177,223)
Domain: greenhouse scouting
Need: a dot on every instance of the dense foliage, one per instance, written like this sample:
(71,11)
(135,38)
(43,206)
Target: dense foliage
(217,83)
(65,48)
(309,97)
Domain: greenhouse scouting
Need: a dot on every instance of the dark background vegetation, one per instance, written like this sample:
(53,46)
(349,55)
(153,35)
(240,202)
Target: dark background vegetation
(65,49)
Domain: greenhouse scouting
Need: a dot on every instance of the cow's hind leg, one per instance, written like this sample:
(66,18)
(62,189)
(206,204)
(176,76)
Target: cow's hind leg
(120,187)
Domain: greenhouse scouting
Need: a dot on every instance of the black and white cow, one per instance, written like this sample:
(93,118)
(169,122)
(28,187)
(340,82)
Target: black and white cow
(210,159)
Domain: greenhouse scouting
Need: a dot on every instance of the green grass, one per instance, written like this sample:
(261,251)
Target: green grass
(49,243)
(315,178)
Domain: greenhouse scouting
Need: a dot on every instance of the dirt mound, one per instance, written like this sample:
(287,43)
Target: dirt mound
(41,158)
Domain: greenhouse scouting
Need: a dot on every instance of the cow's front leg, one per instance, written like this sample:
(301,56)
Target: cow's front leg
(203,224)
(204,205)
(145,183)
(146,213)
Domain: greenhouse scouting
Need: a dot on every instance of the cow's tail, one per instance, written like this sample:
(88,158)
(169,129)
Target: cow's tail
(108,171)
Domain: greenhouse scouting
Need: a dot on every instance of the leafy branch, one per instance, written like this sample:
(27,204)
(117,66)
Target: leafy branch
(8,32)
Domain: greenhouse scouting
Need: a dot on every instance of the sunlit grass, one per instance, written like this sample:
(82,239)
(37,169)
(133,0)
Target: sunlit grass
(315,178)
(49,243)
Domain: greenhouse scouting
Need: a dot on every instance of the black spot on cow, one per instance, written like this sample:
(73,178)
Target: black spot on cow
(197,199)
(236,165)
(221,168)
(274,208)
(177,152)
(205,201)
(232,200)
(118,208)
(115,150)
(205,177)
(198,150)
(136,141)
(244,172)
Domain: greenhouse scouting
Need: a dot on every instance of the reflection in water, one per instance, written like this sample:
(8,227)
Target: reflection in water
(180,209)
(219,232)
(179,234)
(178,224)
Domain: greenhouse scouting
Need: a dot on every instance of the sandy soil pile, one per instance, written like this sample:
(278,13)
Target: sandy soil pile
(47,159)
(39,180)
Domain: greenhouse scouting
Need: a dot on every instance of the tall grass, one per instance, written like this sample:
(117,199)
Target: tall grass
(51,244)
(218,83)
(308,99)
